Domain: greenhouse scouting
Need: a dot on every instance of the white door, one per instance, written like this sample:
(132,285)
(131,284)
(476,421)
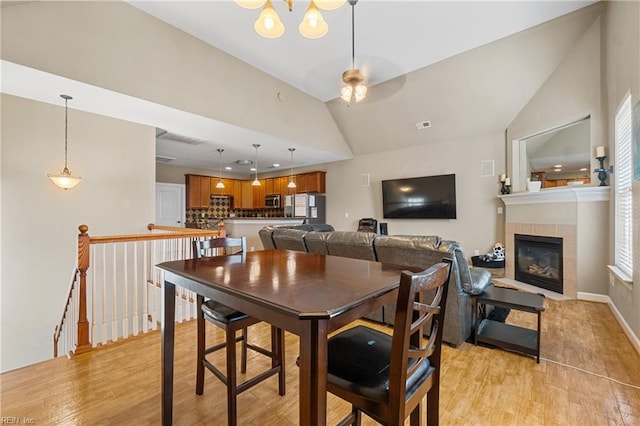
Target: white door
(170,204)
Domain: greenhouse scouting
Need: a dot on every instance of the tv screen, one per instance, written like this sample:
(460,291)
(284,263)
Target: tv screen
(428,197)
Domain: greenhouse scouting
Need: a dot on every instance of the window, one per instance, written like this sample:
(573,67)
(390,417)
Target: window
(623,174)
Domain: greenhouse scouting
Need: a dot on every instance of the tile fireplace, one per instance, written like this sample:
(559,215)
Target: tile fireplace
(538,261)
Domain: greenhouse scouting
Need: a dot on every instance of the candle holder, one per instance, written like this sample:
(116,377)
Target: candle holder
(602,172)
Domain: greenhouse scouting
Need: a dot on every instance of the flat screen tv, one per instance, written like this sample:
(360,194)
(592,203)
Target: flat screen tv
(427,197)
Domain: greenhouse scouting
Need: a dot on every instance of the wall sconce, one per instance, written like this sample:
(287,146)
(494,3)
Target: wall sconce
(65,179)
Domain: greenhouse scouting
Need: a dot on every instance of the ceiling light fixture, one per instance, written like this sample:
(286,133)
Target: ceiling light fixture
(65,180)
(291,183)
(269,25)
(353,78)
(256,182)
(220,185)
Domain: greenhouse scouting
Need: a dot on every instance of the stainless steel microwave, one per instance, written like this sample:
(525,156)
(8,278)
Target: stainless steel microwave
(272,201)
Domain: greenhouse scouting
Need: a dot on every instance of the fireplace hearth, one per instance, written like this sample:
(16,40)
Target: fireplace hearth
(538,261)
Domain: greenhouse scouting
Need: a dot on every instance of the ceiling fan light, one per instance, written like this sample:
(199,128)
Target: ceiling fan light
(346,93)
(330,4)
(268,24)
(250,4)
(313,24)
(361,92)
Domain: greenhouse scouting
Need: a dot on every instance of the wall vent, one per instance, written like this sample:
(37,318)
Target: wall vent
(174,137)
(163,159)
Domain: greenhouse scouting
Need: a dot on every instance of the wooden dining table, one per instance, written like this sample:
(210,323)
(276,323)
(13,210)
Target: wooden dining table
(307,294)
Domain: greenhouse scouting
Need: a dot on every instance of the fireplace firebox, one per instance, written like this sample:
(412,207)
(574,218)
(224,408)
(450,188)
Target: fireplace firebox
(538,261)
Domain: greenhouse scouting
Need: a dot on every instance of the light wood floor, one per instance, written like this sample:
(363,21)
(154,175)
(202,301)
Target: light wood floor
(120,383)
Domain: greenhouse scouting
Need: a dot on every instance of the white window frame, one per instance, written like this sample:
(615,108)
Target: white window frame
(623,185)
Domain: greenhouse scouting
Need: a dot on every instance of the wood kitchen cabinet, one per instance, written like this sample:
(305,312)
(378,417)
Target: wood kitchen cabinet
(246,200)
(198,191)
(259,193)
(316,182)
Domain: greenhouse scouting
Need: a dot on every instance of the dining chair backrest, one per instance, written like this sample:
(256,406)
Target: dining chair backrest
(409,348)
(210,247)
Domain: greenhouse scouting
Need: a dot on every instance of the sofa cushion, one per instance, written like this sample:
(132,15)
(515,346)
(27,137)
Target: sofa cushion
(408,250)
(358,245)
(316,242)
(265,234)
(289,239)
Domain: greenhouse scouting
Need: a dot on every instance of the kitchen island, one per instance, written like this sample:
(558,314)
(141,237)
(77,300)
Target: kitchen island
(248,227)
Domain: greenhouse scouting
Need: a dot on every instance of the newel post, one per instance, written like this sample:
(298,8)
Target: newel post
(84,243)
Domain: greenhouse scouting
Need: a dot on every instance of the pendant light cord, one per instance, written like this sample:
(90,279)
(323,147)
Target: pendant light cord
(353,36)
(65,131)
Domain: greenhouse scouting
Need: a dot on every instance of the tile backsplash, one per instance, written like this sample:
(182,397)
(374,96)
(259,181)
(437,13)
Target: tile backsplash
(221,208)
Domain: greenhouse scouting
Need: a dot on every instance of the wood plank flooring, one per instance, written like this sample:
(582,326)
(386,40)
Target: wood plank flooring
(120,384)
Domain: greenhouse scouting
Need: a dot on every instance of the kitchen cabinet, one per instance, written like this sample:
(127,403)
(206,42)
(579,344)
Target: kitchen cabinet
(259,193)
(269,185)
(198,191)
(246,200)
(237,194)
(316,182)
(228,189)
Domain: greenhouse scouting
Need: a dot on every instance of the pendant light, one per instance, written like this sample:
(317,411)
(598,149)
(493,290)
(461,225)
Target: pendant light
(256,182)
(291,184)
(65,180)
(268,24)
(354,79)
(220,185)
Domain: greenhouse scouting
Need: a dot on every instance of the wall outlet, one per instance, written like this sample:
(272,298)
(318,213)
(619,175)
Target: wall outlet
(346,214)
(476,252)
(500,210)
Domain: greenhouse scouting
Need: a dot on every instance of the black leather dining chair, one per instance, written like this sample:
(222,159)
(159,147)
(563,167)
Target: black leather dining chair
(231,321)
(387,377)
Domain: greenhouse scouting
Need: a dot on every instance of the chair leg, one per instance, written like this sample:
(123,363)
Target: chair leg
(232,414)
(201,346)
(277,348)
(433,404)
(243,356)
(415,418)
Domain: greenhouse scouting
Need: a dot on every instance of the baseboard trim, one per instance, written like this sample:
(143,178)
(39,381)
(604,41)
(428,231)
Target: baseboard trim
(601,298)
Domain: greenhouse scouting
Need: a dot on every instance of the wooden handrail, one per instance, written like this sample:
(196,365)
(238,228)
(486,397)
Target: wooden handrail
(80,276)
(58,330)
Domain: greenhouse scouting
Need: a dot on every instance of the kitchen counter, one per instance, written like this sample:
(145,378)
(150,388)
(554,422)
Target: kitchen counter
(248,227)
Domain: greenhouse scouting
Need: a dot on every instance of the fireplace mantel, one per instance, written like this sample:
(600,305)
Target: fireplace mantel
(567,194)
(577,214)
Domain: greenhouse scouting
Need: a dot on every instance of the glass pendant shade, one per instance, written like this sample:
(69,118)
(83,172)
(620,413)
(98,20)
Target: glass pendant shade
(313,24)
(250,4)
(65,180)
(268,24)
(330,4)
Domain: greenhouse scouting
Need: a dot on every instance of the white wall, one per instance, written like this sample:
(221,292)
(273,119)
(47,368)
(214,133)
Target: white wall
(40,221)
(622,46)
(478,225)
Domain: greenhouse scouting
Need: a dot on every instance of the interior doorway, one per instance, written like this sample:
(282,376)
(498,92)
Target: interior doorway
(170,204)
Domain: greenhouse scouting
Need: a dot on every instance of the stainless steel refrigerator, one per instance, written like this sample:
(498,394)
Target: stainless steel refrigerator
(310,207)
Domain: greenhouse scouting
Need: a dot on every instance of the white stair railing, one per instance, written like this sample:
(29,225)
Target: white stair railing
(119,297)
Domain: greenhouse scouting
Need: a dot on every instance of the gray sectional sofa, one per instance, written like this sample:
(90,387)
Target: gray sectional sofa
(408,250)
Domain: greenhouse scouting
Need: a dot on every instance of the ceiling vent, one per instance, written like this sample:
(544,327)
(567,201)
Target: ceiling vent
(174,137)
(244,162)
(423,125)
(163,159)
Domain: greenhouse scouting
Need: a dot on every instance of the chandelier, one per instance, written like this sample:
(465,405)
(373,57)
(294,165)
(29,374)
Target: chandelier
(65,180)
(354,79)
(269,25)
